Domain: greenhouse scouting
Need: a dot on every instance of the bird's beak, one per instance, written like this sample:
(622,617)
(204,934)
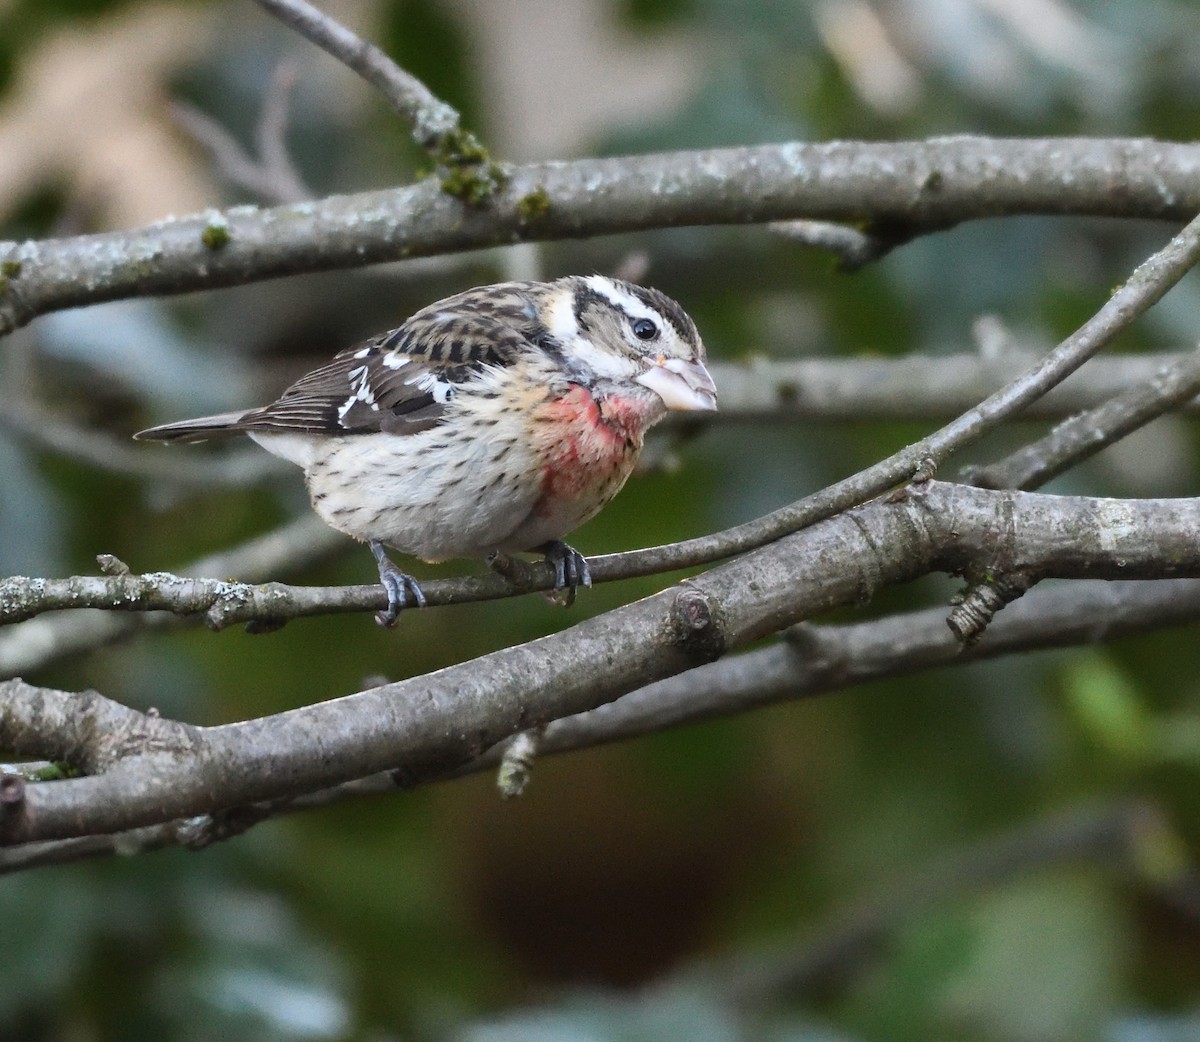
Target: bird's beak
(681,384)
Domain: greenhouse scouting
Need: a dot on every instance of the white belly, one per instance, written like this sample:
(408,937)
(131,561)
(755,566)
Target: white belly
(423,494)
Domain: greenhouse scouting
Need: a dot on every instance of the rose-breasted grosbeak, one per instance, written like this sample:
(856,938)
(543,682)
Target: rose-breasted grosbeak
(498,419)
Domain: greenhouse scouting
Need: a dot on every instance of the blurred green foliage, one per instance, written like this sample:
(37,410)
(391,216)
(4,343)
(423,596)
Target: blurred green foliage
(579,912)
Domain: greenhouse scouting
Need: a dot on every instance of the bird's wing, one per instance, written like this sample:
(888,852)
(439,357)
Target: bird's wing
(401,381)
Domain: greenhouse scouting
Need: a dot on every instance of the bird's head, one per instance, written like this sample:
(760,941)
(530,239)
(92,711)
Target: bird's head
(618,334)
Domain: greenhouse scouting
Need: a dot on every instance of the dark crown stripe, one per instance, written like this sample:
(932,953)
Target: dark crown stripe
(585,297)
(668,308)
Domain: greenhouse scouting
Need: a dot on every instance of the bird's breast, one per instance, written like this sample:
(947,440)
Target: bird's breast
(587,447)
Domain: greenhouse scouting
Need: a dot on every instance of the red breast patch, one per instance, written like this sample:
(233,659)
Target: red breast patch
(587,447)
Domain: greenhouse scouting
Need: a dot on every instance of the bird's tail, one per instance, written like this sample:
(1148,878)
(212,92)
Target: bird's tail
(222,425)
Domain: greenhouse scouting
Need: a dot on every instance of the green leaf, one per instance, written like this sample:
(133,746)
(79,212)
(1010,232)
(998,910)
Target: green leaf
(1108,706)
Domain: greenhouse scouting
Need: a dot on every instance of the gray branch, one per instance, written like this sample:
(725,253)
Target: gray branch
(916,386)
(104,452)
(810,660)
(270,175)
(920,460)
(1086,434)
(819,659)
(938,182)
(853,247)
(32,645)
(152,771)
(224,603)
(433,120)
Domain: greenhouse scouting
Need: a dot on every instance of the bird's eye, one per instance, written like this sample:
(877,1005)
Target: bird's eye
(644,329)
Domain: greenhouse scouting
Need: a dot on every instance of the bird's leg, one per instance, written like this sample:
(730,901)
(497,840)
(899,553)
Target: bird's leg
(399,585)
(570,568)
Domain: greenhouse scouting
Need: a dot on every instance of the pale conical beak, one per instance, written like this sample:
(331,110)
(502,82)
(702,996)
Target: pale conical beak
(681,384)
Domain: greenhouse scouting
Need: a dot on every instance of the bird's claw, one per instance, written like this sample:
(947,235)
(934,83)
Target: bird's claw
(571,570)
(399,586)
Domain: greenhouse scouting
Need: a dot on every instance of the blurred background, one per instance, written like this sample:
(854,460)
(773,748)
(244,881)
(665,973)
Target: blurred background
(659,889)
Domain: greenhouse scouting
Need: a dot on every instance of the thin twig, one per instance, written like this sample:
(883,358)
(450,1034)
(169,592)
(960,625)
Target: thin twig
(433,121)
(32,645)
(465,170)
(271,175)
(758,391)
(1142,290)
(1084,435)
(271,135)
(854,247)
(911,387)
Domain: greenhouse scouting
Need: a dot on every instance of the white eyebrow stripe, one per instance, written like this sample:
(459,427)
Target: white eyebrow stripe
(620,298)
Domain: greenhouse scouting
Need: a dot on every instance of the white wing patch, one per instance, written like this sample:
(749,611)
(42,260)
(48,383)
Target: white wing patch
(441,390)
(363,392)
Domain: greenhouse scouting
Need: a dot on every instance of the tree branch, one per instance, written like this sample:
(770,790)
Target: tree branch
(1142,290)
(34,644)
(762,390)
(434,122)
(270,175)
(853,247)
(818,659)
(1086,434)
(224,603)
(101,451)
(810,660)
(430,725)
(939,181)
(914,387)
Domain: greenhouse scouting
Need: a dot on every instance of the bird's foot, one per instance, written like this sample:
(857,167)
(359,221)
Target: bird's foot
(570,571)
(400,587)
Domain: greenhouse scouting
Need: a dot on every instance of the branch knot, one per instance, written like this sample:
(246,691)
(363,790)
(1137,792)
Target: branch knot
(697,624)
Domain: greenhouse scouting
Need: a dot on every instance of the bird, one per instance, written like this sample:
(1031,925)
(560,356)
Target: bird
(495,421)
